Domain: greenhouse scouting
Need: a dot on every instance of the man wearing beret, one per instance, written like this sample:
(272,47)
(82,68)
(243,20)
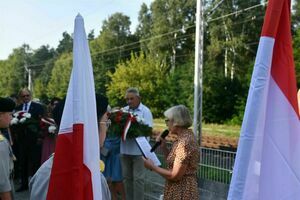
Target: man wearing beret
(6,156)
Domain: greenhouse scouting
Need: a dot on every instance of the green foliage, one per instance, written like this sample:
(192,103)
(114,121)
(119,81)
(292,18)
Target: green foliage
(164,70)
(142,72)
(232,41)
(219,99)
(60,76)
(180,86)
(143,30)
(13,74)
(66,44)
(5,78)
(108,50)
(39,90)
(172,30)
(296,14)
(297,55)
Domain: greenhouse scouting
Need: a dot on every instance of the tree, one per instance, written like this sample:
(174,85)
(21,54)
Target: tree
(180,85)
(91,35)
(13,73)
(40,90)
(172,31)
(142,72)
(60,76)
(143,31)
(110,48)
(296,15)
(296,44)
(4,73)
(232,39)
(220,97)
(42,61)
(66,44)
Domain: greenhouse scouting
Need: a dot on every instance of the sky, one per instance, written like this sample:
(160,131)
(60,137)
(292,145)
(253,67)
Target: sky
(41,22)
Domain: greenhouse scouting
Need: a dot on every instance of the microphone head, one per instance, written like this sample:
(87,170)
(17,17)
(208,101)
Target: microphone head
(165,133)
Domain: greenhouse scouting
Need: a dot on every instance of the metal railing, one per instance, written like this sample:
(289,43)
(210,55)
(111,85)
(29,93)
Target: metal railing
(216,165)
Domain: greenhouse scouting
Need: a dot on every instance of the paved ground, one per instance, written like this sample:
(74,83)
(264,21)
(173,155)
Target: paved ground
(153,190)
(21,195)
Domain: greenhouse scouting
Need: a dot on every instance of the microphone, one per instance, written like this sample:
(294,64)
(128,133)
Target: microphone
(163,135)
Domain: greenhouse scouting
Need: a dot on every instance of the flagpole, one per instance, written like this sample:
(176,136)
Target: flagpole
(198,71)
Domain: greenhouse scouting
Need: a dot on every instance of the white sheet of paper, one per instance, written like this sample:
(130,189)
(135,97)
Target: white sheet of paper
(145,147)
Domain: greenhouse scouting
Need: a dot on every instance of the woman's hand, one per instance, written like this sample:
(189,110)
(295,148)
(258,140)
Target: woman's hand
(104,117)
(102,129)
(148,163)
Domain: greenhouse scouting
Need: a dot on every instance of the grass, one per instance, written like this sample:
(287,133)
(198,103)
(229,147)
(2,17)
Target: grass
(213,174)
(207,129)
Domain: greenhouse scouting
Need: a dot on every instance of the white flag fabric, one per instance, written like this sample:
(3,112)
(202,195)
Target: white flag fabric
(267,165)
(75,173)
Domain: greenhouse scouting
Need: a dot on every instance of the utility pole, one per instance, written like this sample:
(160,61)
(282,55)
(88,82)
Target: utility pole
(30,86)
(198,71)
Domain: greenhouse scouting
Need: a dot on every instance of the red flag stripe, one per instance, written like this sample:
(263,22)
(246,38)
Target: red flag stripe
(272,18)
(76,183)
(283,67)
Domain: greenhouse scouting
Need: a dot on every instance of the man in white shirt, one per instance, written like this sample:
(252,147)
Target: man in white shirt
(131,157)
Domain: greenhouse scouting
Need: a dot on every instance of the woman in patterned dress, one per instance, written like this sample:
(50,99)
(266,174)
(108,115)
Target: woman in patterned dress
(182,160)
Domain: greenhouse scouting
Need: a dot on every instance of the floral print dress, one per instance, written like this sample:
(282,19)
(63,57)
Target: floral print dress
(185,150)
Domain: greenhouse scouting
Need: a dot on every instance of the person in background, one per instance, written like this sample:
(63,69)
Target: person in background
(6,154)
(49,130)
(131,156)
(14,141)
(182,160)
(102,117)
(29,142)
(110,154)
(53,103)
(39,183)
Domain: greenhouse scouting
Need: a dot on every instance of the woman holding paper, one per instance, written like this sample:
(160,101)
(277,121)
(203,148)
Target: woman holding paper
(182,160)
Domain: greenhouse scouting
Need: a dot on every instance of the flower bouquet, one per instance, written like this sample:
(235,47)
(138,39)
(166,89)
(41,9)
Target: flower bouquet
(23,120)
(125,124)
(48,126)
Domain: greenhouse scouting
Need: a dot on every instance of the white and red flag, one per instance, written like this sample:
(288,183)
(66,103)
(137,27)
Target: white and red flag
(75,173)
(267,165)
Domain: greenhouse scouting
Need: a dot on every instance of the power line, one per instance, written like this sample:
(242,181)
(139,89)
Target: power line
(118,48)
(237,12)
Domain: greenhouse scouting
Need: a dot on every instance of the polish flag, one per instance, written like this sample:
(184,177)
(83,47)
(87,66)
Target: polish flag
(267,165)
(75,173)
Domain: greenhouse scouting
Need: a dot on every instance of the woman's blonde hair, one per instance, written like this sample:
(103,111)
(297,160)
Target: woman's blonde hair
(180,116)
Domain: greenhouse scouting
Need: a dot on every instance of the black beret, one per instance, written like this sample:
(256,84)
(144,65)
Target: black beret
(7,105)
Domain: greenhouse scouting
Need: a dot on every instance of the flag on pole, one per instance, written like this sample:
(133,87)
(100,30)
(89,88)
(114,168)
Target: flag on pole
(75,173)
(267,165)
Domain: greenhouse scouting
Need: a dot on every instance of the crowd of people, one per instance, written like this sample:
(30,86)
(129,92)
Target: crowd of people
(30,146)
